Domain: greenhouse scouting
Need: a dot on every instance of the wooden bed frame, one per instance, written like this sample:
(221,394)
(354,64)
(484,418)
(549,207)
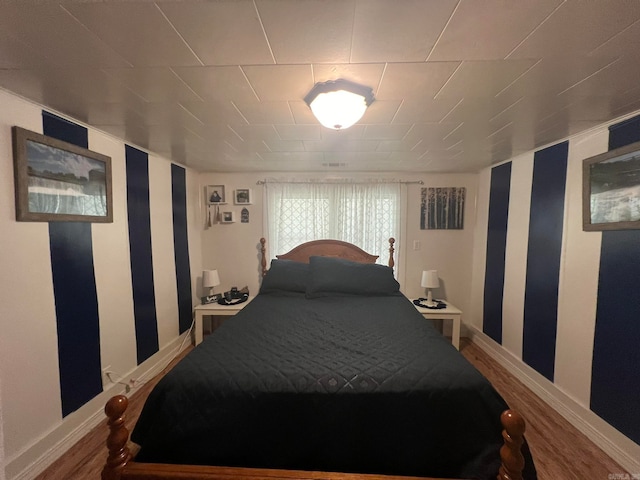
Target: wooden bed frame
(121,464)
(326,248)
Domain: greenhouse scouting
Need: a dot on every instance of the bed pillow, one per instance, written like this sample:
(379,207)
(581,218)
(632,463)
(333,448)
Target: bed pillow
(285,276)
(337,276)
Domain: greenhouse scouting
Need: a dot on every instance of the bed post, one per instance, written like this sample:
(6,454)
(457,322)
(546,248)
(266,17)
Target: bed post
(119,453)
(263,261)
(511,453)
(392,263)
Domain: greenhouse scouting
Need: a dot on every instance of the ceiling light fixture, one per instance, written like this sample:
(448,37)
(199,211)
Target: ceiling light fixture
(338,104)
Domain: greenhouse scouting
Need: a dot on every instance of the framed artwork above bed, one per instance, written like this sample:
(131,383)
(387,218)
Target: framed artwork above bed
(442,208)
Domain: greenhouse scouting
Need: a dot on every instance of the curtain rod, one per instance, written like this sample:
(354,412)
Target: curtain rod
(340,180)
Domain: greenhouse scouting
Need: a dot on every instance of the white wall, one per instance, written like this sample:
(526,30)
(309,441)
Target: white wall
(233,249)
(32,425)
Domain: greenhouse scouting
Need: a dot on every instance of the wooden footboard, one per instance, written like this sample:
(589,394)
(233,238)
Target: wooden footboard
(121,466)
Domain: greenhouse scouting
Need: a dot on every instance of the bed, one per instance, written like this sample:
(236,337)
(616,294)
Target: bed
(330,372)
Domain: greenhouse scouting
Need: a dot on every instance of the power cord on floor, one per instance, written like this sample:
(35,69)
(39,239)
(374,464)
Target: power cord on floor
(134,383)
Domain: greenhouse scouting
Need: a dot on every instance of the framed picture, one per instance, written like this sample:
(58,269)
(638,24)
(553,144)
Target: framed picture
(442,208)
(227,217)
(57,181)
(242,196)
(215,194)
(611,190)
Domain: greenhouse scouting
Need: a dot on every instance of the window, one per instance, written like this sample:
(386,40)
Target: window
(365,214)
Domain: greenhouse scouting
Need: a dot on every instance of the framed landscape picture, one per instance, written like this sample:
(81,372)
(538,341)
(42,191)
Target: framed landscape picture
(611,190)
(57,181)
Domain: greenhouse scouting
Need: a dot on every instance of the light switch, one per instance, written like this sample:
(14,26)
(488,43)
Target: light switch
(416,244)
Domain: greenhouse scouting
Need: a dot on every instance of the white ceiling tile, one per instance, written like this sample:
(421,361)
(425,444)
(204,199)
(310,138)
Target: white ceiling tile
(138,32)
(218,83)
(380,111)
(220,33)
(57,36)
(414,80)
(490,29)
(424,110)
(341,145)
(577,28)
(259,133)
(616,79)
(281,82)
(112,114)
(367,74)
(214,112)
(196,81)
(484,78)
(322,29)
(90,83)
(626,41)
(385,132)
(302,113)
(285,145)
(299,132)
(154,84)
(293,157)
(406,31)
(15,54)
(266,112)
(554,75)
(354,132)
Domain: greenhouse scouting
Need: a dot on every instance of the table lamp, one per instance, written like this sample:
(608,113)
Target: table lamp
(430,281)
(210,279)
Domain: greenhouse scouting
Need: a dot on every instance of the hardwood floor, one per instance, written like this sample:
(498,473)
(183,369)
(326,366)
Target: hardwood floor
(559,450)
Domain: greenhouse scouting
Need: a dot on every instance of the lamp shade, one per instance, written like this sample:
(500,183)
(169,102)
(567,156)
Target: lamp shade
(430,279)
(338,104)
(210,278)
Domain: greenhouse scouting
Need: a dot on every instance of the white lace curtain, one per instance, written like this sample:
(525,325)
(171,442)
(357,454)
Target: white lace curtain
(365,214)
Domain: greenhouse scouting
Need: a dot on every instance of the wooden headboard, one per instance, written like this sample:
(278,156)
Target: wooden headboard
(327,248)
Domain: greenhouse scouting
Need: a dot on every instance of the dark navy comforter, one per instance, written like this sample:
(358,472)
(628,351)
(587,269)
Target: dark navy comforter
(349,384)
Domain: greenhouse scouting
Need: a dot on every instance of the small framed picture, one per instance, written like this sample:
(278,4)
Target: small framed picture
(227,217)
(242,196)
(215,194)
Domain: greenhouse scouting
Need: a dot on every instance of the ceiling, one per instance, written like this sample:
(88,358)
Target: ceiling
(219,85)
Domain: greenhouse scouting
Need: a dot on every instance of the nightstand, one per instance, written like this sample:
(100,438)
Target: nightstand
(214,309)
(449,313)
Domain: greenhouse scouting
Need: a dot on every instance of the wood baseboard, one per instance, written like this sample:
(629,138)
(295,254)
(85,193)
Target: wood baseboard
(41,454)
(619,447)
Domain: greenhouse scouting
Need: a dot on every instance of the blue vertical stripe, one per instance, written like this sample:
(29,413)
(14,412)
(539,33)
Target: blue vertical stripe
(496,249)
(144,300)
(58,127)
(546,220)
(74,289)
(181,246)
(615,382)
